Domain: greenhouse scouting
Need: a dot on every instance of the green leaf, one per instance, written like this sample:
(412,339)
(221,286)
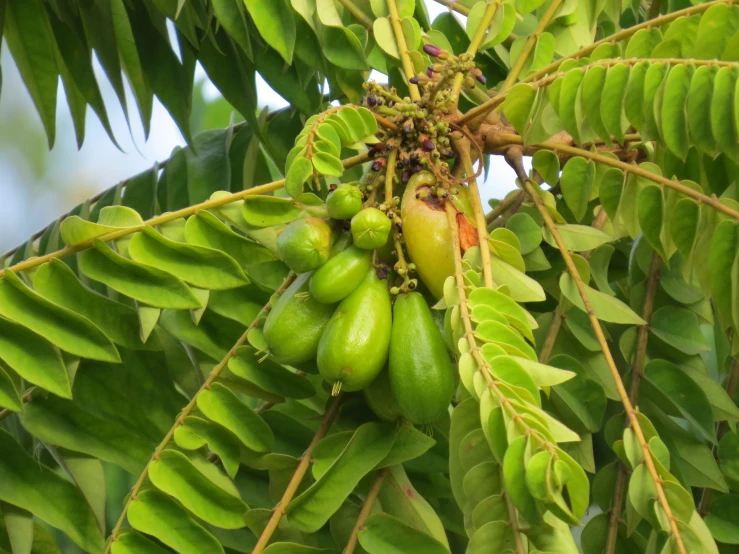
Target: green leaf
(518,104)
(265,211)
(10,398)
(713,30)
(723,519)
(578,238)
(298,174)
(327,164)
(146,284)
(64,328)
(514,472)
(591,92)
(223,407)
(505,337)
(679,328)
(699,98)
(295,548)
(311,510)
(31,42)
(410,443)
(723,249)
(612,101)
(155,514)
(526,229)
(340,45)
(546,164)
(722,112)
(674,119)
(651,208)
(275,23)
(197,432)
(568,104)
(25,483)
(33,358)
(268,375)
(131,542)
(56,282)
(679,396)
(522,287)
(684,224)
(197,265)
(384,534)
(208,167)
(578,176)
(230,14)
(176,475)
(62,423)
(606,308)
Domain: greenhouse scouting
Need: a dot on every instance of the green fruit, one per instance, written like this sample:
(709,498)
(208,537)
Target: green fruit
(353,348)
(370,228)
(305,244)
(344,202)
(381,400)
(339,276)
(295,323)
(420,370)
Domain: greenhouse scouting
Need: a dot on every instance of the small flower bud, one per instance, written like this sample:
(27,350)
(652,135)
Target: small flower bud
(432,50)
(372,100)
(412,284)
(377,165)
(481,79)
(414,80)
(428,145)
(395,291)
(405,176)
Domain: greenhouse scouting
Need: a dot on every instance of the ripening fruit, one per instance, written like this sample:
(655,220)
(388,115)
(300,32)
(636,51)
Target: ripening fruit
(295,323)
(338,277)
(344,202)
(353,348)
(305,244)
(370,228)
(420,370)
(381,400)
(427,235)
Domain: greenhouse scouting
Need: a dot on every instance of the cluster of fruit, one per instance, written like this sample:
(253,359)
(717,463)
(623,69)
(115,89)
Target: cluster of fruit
(339,314)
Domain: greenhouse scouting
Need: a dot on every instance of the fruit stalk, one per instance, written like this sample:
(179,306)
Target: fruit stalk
(514,158)
(214,374)
(391,161)
(365,512)
(405,56)
(297,478)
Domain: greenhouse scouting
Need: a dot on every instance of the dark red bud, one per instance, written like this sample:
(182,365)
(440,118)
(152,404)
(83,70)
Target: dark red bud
(428,145)
(429,73)
(380,102)
(371,100)
(432,50)
(377,165)
(405,176)
(414,80)
(481,79)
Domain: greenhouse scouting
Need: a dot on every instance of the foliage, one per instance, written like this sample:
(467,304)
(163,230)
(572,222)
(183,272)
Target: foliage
(592,315)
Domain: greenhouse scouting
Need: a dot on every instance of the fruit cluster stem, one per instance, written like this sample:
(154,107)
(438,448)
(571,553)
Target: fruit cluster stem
(637,370)
(514,158)
(405,56)
(297,478)
(214,374)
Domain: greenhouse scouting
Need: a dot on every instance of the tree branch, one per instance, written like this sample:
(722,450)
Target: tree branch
(637,371)
(356,11)
(454,5)
(214,374)
(365,512)
(405,57)
(167,217)
(514,158)
(297,478)
(502,138)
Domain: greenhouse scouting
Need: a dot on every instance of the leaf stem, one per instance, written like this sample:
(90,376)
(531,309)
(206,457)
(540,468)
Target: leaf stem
(475,43)
(514,158)
(364,513)
(462,146)
(405,56)
(454,5)
(357,12)
(297,478)
(637,371)
(513,139)
(530,44)
(165,218)
(214,374)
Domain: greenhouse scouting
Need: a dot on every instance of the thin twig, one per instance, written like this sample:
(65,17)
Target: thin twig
(167,217)
(528,48)
(512,139)
(502,206)
(405,56)
(297,478)
(514,158)
(357,12)
(454,5)
(637,371)
(25,399)
(365,511)
(214,374)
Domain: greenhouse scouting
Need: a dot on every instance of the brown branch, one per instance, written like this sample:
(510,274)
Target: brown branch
(214,374)
(365,512)
(514,158)
(453,5)
(297,478)
(503,206)
(167,217)
(511,139)
(385,122)
(637,371)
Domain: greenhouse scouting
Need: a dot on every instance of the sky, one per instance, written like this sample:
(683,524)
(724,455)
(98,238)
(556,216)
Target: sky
(34,193)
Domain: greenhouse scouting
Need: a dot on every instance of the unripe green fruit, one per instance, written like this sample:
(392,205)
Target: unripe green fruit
(295,324)
(420,370)
(339,276)
(381,400)
(370,228)
(305,244)
(353,347)
(344,202)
